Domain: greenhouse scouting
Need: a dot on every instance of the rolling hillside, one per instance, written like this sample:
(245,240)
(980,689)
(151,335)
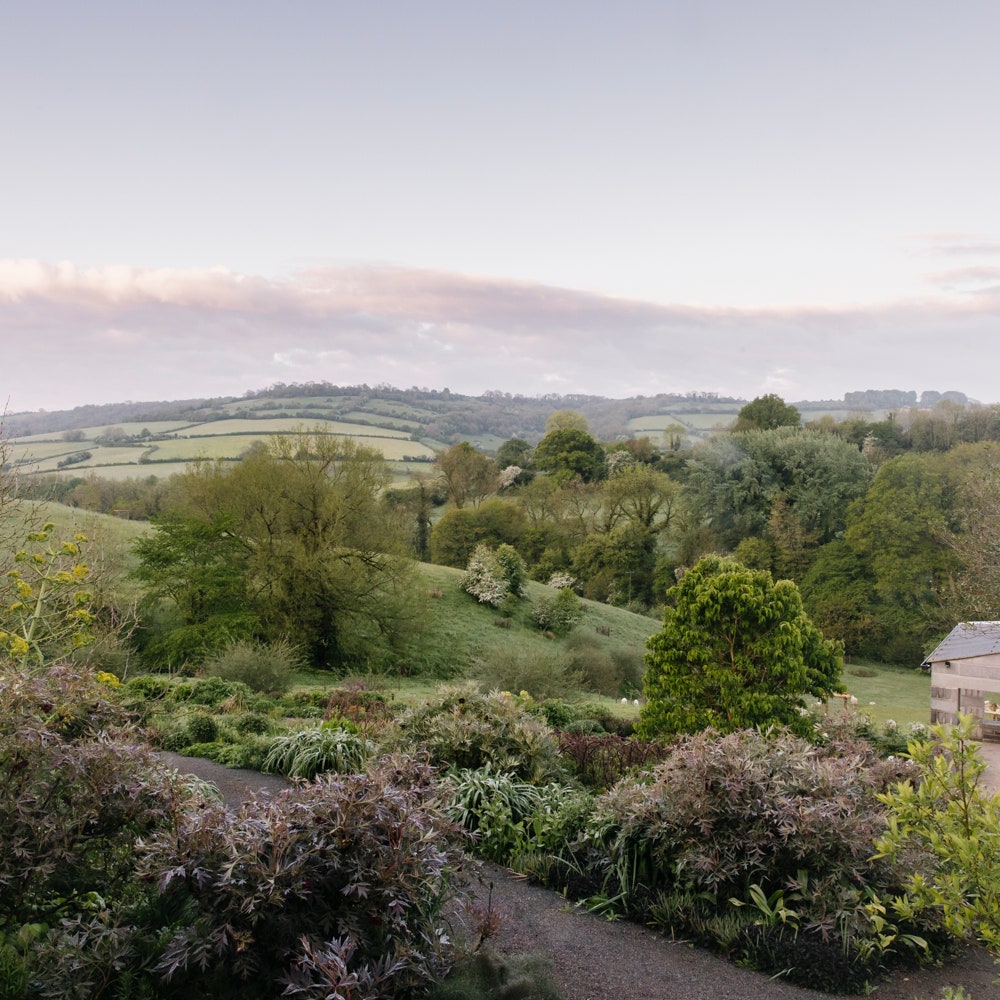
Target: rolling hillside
(126,440)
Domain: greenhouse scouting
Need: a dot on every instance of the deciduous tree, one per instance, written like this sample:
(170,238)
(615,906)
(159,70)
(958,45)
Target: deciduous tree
(468,475)
(566,420)
(321,557)
(765,413)
(567,452)
(950,823)
(515,451)
(734,481)
(976,595)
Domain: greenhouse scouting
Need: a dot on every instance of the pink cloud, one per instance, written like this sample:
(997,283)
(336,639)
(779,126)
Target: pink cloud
(131,333)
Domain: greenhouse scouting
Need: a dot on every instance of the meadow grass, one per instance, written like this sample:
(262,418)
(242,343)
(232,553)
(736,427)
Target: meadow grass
(886,692)
(108,550)
(457,629)
(68,520)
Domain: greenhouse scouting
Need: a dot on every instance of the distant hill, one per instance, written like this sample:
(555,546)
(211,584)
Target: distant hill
(408,425)
(439,415)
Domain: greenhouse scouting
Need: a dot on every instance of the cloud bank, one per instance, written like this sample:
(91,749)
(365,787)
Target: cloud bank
(74,336)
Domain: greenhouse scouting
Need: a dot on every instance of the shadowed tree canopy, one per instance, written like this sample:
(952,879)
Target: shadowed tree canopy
(736,479)
(515,451)
(976,595)
(567,452)
(736,651)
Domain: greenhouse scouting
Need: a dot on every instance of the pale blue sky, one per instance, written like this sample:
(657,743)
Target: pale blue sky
(200,199)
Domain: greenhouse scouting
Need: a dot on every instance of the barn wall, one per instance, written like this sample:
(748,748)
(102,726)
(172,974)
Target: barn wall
(961,685)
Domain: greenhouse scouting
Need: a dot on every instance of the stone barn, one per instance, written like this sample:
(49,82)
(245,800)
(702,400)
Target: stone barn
(965,676)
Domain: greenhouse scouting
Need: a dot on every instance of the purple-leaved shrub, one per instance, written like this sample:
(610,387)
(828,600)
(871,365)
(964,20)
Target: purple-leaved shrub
(331,884)
(783,828)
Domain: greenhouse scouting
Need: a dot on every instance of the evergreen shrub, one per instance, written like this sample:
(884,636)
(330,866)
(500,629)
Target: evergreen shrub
(201,728)
(252,724)
(462,728)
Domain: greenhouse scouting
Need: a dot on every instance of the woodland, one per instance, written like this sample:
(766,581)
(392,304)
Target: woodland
(600,657)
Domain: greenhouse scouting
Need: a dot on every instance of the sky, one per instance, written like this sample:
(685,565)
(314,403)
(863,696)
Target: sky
(532,197)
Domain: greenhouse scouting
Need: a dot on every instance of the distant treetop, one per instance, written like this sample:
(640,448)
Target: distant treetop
(765,413)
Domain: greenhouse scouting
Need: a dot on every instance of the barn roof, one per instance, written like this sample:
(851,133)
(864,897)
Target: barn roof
(967,639)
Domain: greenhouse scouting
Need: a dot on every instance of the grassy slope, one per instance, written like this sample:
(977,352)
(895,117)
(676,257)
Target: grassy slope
(464,630)
(104,527)
(456,631)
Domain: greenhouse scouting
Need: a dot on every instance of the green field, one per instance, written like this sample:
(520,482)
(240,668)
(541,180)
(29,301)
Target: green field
(89,433)
(101,457)
(893,693)
(43,449)
(886,692)
(698,424)
(288,425)
(158,470)
(384,420)
(656,425)
(215,439)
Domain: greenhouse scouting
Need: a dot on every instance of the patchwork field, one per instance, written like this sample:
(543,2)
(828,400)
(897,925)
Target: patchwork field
(698,424)
(287,425)
(162,448)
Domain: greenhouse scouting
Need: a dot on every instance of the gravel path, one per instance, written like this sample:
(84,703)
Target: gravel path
(596,959)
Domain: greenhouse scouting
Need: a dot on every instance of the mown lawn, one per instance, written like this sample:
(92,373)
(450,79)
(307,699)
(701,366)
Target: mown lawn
(886,692)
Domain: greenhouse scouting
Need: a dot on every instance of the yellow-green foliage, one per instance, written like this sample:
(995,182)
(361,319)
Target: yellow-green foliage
(947,827)
(44,600)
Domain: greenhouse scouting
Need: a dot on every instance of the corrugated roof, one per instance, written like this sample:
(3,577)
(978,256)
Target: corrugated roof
(967,639)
